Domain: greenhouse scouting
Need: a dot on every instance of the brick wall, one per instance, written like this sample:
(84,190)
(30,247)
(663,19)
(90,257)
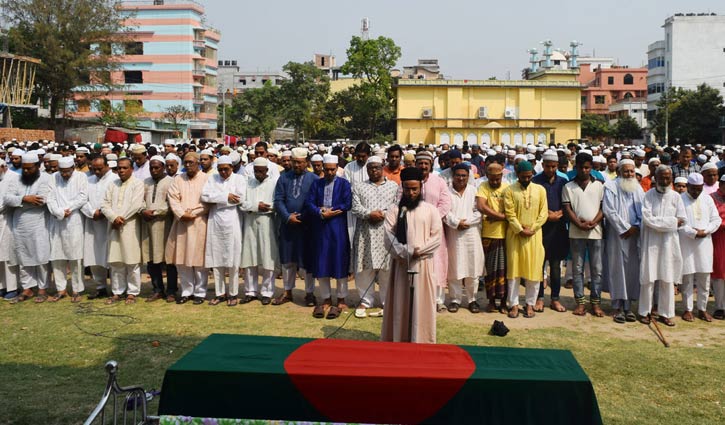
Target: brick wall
(23,135)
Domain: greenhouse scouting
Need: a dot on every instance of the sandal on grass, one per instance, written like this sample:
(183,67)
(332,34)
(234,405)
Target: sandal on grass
(216,300)
(76,298)
(131,299)
(333,313)
(361,313)
(232,301)
(318,312)
(41,298)
(59,296)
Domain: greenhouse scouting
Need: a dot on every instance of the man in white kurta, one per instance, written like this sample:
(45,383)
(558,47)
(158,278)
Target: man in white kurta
(121,206)
(622,208)
(224,191)
(663,213)
(97,228)
(356,172)
(702,221)
(370,261)
(28,196)
(259,251)
(8,259)
(465,250)
(68,194)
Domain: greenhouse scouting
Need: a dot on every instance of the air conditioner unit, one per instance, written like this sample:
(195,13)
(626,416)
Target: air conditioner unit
(483,112)
(427,113)
(510,113)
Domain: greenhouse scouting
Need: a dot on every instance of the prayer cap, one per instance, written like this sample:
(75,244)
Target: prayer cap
(299,153)
(530,157)
(524,166)
(169,142)
(531,149)
(286,154)
(112,164)
(423,155)
(599,159)
(701,158)
(510,152)
(224,160)
(18,152)
(66,162)
(411,173)
(191,155)
(225,149)
(695,179)
(235,157)
(680,180)
(455,154)
(56,157)
(550,155)
(316,158)
(653,160)
(83,150)
(30,158)
(261,162)
(708,166)
(375,160)
(409,157)
(112,157)
(272,151)
(206,152)
(519,156)
(158,158)
(330,159)
(625,162)
(138,148)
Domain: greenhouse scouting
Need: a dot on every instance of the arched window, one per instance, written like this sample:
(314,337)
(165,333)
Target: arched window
(628,95)
(628,79)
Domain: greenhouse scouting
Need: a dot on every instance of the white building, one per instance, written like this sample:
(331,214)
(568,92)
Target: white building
(635,108)
(233,81)
(692,53)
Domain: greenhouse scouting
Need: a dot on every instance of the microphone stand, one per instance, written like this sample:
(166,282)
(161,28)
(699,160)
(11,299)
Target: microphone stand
(411,275)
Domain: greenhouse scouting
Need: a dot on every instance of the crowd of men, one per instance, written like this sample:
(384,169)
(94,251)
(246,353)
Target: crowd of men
(637,222)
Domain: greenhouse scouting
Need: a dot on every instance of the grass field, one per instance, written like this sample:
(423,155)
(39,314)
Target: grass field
(51,366)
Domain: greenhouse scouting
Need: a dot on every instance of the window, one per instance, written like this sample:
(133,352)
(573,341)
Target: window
(105,49)
(628,95)
(322,61)
(610,80)
(83,105)
(628,79)
(133,77)
(599,100)
(243,81)
(584,101)
(134,48)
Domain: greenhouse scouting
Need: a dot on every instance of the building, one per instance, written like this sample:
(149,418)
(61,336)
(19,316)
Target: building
(171,61)
(546,109)
(633,107)
(232,81)
(692,53)
(425,69)
(611,85)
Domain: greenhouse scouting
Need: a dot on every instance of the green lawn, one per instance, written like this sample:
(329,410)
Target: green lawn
(51,367)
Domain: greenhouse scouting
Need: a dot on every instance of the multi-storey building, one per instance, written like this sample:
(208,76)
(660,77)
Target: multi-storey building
(169,61)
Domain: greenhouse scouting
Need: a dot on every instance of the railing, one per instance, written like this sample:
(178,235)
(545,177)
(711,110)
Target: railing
(199,72)
(133,400)
(199,44)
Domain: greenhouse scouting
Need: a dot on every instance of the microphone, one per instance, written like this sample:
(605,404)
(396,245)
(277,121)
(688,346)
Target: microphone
(402,212)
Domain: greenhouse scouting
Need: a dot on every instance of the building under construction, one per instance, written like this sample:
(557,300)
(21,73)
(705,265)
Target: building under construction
(17,81)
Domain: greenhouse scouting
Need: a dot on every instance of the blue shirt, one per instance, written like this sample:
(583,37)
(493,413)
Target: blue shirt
(553,189)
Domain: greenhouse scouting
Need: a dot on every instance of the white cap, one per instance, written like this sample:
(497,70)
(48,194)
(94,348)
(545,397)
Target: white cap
(286,154)
(224,160)
(299,153)
(550,155)
(653,160)
(112,164)
(374,160)
(173,157)
(206,152)
(639,153)
(158,158)
(18,152)
(701,158)
(261,162)
(83,150)
(55,157)
(625,162)
(30,158)
(695,179)
(330,159)
(316,158)
(169,142)
(680,180)
(709,166)
(66,162)
(235,157)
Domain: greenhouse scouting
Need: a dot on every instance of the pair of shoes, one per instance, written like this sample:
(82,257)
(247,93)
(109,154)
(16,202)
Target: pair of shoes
(198,300)
(688,317)
(719,315)
(247,299)
(10,296)
(619,317)
(333,313)
(378,313)
(101,293)
(266,300)
(704,315)
(310,300)
(453,307)
(283,299)
(580,310)
(361,312)
(113,300)
(473,307)
(630,316)
(183,300)
(155,297)
(319,311)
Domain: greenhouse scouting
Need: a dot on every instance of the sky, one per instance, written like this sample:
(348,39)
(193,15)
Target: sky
(474,39)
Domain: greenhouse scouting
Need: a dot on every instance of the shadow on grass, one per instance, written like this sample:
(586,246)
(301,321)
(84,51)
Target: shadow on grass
(337,332)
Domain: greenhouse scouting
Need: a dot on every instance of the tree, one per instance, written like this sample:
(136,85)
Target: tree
(595,126)
(306,90)
(627,129)
(175,115)
(121,115)
(693,115)
(255,112)
(60,33)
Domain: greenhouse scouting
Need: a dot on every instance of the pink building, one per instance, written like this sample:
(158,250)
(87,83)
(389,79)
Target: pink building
(605,86)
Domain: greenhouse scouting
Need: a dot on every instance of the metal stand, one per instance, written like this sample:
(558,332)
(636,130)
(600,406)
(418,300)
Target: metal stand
(134,400)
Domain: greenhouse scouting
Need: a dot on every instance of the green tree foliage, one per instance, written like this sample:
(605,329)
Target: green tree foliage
(303,95)
(694,115)
(59,33)
(627,129)
(254,112)
(595,126)
(175,115)
(121,115)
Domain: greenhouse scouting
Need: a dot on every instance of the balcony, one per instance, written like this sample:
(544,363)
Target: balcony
(199,72)
(198,99)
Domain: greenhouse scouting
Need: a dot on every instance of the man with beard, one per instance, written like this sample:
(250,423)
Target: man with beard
(155,231)
(622,209)
(663,213)
(8,259)
(95,239)
(52,166)
(294,244)
(696,244)
(554,232)
(413,232)
(327,204)
(28,195)
(69,192)
(582,201)
(489,200)
(526,212)
(16,159)
(141,163)
(185,246)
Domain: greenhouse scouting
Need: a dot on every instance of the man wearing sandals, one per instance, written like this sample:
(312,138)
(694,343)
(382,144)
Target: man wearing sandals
(121,206)
(8,260)
(225,192)
(696,246)
(68,194)
(28,196)
(327,203)
(622,209)
(582,201)
(663,213)
(526,212)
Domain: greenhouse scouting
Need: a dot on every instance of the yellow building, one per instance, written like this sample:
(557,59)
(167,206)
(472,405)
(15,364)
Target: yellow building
(546,108)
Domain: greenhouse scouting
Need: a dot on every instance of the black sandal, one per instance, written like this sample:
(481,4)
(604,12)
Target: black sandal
(334,313)
(318,312)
